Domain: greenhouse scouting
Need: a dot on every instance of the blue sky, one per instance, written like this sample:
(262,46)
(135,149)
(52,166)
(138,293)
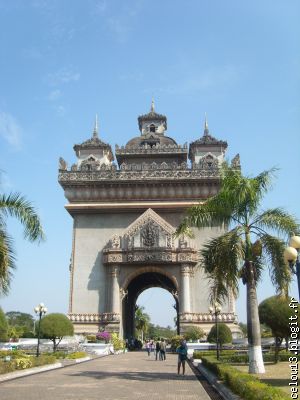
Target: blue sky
(63,61)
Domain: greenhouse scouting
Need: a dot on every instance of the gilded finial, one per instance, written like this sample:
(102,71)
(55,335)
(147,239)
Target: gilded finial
(152,106)
(95,132)
(206,130)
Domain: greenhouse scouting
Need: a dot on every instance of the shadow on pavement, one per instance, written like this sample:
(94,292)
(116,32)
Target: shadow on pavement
(136,376)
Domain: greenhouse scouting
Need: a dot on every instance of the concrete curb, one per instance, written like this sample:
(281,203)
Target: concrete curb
(226,393)
(29,371)
(37,370)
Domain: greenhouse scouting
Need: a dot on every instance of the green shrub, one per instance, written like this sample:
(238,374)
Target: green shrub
(194,333)
(91,338)
(57,354)
(118,343)
(175,342)
(25,362)
(244,385)
(43,360)
(12,353)
(77,354)
(203,353)
(224,334)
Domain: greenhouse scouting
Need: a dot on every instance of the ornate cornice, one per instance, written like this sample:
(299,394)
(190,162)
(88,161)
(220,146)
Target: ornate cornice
(207,317)
(209,140)
(133,176)
(92,143)
(94,318)
(147,149)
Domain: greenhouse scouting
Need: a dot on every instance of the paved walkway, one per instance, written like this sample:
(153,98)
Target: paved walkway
(127,376)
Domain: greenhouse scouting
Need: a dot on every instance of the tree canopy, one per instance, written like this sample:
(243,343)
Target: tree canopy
(224,334)
(3,327)
(194,333)
(55,326)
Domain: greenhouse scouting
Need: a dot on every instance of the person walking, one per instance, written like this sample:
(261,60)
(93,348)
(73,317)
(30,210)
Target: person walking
(148,347)
(163,348)
(182,356)
(157,349)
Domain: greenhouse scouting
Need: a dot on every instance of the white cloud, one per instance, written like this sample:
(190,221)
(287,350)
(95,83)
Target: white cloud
(10,130)
(61,110)
(54,95)
(64,75)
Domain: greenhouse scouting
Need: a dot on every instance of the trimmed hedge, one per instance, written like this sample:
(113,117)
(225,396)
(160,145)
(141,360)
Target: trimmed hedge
(245,385)
(230,356)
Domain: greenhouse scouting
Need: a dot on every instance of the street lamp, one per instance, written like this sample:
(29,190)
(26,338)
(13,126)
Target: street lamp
(216,310)
(291,256)
(39,310)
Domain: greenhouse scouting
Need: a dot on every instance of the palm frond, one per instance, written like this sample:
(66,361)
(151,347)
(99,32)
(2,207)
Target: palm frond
(273,249)
(7,261)
(221,259)
(245,192)
(276,219)
(17,206)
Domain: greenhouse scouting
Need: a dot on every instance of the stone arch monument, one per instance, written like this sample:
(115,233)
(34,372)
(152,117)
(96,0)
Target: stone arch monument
(125,216)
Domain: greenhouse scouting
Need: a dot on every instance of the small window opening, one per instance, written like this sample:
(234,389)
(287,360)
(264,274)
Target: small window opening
(152,128)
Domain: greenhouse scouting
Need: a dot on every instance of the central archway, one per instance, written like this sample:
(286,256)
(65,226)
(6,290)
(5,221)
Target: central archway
(139,283)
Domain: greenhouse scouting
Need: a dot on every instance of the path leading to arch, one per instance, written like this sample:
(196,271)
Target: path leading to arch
(129,376)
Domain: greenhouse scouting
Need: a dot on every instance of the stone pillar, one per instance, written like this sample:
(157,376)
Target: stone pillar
(115,290)
(185,297)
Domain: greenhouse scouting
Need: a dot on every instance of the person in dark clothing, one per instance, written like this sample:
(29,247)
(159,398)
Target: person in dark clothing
(182,357)
(163,348)
(157,350)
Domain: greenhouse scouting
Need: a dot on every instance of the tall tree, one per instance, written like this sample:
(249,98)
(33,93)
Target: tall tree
(247,245)
(142,321)
(16,206)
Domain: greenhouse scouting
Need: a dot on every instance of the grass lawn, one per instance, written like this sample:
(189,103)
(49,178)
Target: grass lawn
(277,375)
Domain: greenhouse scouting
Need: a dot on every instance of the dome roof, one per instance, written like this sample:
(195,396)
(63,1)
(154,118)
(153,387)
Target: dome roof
(151,139)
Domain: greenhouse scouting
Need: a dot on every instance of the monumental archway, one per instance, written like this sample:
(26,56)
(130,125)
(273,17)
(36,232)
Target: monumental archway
(147,254)
(125,216)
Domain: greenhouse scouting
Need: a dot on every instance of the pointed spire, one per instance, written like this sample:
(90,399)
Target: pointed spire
(95,132)
(206,130)
(152,106)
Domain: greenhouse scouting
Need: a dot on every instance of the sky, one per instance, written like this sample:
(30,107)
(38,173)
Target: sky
(63,61)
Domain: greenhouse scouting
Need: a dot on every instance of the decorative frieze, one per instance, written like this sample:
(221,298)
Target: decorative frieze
(156,255)
(207,317)
(109,173)
(154,149)
(94,318)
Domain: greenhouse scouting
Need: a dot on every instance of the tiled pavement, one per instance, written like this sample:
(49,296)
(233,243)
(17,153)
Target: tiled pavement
(127,376)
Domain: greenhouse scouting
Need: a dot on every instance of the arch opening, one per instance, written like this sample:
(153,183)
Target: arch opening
(135,287)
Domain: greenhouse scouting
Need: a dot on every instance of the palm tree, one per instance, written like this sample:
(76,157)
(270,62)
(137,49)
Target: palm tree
(142,321)
(247,245)
(16,206)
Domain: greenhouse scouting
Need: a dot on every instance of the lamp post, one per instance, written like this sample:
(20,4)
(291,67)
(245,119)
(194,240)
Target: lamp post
(39,310)
(216,310)
(291,256)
